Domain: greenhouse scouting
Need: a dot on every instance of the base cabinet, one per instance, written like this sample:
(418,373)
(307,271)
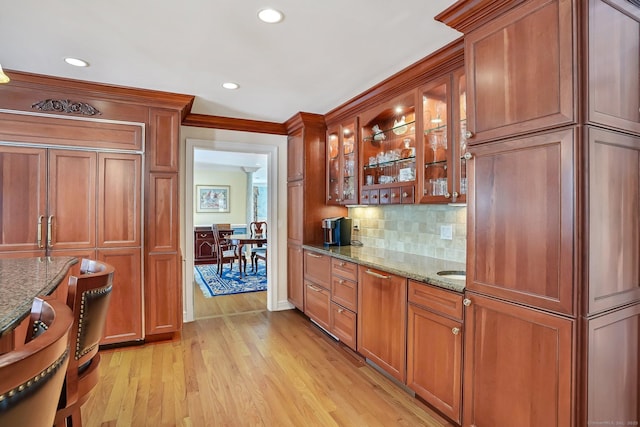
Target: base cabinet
(295,284)
(517,366)
(382,320)
(317,301)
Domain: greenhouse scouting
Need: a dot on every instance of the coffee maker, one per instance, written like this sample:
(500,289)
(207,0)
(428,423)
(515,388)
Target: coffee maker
(337,231)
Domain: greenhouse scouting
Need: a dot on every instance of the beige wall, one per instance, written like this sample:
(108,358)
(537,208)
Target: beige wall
(414,229)
(237,182)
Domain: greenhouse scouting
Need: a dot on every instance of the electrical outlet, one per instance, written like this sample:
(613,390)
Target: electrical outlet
(446,232)
(355,224)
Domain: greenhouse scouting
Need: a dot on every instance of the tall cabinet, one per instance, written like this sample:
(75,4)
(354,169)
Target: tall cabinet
(306,174)
(553,284)
(87,171)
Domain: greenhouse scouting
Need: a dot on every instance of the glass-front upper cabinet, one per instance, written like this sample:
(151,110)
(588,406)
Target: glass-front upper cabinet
(443,172)
(388,153)
(342,169)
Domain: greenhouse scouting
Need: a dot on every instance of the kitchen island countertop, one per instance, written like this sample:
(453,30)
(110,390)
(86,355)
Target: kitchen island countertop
(417,267)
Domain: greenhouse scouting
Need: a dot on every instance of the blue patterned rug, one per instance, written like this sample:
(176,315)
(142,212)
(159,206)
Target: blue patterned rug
(207,278)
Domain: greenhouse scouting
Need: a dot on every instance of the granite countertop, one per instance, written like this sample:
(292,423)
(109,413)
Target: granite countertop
(416,267)
(23,279)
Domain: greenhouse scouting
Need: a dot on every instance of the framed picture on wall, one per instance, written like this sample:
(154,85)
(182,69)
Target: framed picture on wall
(212,198)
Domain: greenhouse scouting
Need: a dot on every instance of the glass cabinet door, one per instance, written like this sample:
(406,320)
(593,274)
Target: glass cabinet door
(460,111)
(342,164)
(437,179)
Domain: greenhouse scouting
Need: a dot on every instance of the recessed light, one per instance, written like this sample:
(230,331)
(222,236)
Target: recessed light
(270,16)
(230,85)
(76,62)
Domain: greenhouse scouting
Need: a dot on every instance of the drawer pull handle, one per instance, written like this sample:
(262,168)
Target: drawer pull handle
(466,302)
(341,310)
(313,288)
(203,234)
(455,331)
(341,281)
(342,264)
(314,255)
(378,275)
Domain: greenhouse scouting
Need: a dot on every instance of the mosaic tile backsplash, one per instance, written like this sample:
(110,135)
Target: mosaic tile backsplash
(413,228)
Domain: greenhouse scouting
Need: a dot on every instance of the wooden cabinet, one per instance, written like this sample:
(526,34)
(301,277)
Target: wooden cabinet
(434,347)
(517,366)
(317,268)
(521,220)
(388,150)
(613,64)
(613,385)
(295,156)
(344,301)
(295,204)
(295,276)
(317,288)
(520,71)
(382,320)
(203,245)
(613,186)
(342,164)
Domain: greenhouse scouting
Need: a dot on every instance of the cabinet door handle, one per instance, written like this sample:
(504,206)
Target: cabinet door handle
(468,134)
(314,255)
(49,231)
(341,281)
(40,218)
(455,195)
(405,194)
(455,331)
(447,195)
(378,275)
(468,156)
(466,302)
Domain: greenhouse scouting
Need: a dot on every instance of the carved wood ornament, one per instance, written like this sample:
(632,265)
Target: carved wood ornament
(66,106)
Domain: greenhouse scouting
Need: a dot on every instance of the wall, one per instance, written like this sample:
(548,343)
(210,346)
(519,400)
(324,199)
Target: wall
(414,229)
(237,182)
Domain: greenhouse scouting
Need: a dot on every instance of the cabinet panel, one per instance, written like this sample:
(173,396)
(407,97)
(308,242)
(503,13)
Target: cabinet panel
(520,71)
(124,318)
(295,156)
(343,325)
(613,219)
(441,301)
(342,164)
(203,246)
(614,64)
(317,268)
(163,295)
(162,220)
(119,201)
(162,152)
(295,211)
(382,320)
(517,366)
(434,360)
(72,199)
(24,190)
(521,219)
(317,304)
(613,386)
(295,283)
(345,269)
(345,293)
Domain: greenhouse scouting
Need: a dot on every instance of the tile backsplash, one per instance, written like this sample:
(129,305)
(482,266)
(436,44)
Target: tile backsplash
(413,228)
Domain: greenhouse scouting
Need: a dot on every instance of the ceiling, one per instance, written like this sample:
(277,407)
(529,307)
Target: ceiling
(323,53)
(235,161)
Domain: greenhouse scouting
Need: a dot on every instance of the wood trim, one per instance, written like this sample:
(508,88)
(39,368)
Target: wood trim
(232,123)
(467,15)
(145,97)
(300,120)
(444,60)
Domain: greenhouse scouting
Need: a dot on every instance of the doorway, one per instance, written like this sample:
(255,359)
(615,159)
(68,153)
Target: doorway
(270,154)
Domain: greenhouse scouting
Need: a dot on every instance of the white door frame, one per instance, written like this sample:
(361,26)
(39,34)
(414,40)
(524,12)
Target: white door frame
(273,274)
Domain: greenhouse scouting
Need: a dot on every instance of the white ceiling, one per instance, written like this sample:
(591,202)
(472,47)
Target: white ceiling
(228,160)
(323,53)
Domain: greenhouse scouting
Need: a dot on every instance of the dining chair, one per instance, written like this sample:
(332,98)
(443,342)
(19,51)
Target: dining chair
(31,377)
(226,253)
(258,228)
(88,297)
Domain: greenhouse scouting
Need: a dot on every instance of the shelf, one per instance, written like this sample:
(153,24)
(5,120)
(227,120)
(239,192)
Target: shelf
(438,163)
(435,129)
(395,135)
(389,163)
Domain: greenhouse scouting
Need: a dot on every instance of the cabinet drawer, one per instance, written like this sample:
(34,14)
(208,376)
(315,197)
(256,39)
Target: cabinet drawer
(344,269)
(343,325)
(345,293)
(439,300)
(317,268)
(316,304)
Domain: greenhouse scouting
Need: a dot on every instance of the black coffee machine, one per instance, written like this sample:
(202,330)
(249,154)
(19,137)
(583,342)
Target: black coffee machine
(337,231)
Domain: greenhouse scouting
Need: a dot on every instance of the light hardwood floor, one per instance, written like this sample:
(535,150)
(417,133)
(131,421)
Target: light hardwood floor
(254,369)
(227,304)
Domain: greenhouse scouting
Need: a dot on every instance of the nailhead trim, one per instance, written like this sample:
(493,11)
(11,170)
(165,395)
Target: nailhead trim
(83,300)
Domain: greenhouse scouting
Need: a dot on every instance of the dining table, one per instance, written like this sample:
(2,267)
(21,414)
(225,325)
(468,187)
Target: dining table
(241,240)
(23,279)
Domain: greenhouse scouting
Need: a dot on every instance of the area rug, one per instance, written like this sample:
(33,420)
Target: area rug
(212,284)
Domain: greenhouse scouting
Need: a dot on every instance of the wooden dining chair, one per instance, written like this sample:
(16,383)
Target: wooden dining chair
(258,228)
(88,297)
(31,377)
(226,253)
